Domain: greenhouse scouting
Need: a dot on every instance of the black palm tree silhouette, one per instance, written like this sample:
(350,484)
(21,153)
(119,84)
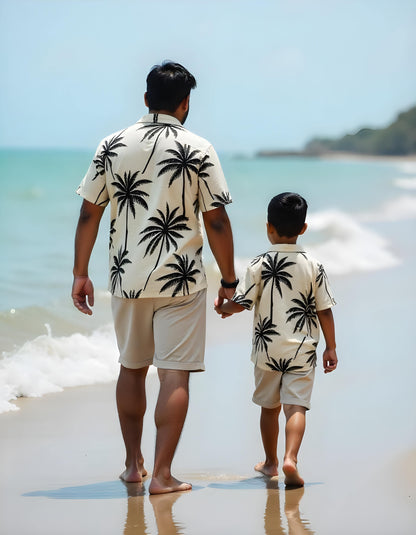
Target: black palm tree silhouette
(312,356)
(263,332)
(273,270)
(222,199)
(112,231)
(103,161)
(305,312)
(163,232)
(242,299)
(181,277)
(157,129)
(128,195)
(322,278)
(203,175)
(132,294)
(117,271)
(184,162)
(282,365)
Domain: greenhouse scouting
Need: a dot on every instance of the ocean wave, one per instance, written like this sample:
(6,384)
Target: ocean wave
(405,183)
(398,209)
(347,246)
(48,364)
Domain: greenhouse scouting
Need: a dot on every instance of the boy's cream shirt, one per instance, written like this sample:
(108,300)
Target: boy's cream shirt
(286,287)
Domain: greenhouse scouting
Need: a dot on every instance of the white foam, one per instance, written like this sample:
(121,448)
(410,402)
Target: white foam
(348,246)
(398,209)
(49,364)
(405,183)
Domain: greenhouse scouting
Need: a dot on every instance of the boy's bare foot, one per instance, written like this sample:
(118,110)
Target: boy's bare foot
(267,469)
(160,485)
(292,478)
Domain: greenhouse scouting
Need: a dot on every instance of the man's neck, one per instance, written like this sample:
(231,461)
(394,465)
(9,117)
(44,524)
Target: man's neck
(166,112)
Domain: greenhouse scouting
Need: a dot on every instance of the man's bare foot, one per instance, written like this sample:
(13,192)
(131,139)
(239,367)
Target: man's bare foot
(134,474)
(267,469)
(160,485)
(292,478)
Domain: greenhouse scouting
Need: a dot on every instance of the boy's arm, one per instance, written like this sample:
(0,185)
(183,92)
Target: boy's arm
(326,319)
(228,308)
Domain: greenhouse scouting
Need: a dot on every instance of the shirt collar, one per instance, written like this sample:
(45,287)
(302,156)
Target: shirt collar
(159,118)
(287,248)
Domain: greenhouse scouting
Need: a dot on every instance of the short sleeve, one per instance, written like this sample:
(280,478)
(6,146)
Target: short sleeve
(213,189)
(323,294)
(247,291)
(93,187)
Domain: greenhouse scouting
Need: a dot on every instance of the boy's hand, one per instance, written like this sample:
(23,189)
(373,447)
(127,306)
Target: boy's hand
(83,290)
(218,309)
(330,360)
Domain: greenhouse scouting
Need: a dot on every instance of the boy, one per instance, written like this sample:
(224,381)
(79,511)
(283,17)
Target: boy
(291,296)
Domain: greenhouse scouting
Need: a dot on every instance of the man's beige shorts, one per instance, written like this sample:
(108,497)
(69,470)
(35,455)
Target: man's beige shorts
(274,388)
(168,332)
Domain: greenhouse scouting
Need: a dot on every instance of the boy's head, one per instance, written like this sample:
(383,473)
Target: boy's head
(287,213)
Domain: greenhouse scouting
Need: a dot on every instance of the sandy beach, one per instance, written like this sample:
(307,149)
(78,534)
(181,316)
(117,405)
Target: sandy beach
(62,454)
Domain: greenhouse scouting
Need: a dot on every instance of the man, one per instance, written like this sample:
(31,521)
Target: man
(157,177)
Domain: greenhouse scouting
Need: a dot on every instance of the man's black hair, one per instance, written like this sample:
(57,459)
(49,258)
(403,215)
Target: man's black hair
(167,85)
(287,213)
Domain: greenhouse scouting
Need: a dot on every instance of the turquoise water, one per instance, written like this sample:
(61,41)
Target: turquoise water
(361,223)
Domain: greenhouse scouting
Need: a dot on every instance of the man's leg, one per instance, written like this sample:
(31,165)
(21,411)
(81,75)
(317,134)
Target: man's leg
(170,414)
(131,405)
(295,429)
(269,427)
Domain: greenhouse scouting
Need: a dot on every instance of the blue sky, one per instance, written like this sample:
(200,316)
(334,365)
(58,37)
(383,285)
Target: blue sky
(270,73)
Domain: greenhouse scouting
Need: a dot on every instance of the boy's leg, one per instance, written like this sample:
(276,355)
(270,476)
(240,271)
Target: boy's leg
(295,429)
(269,427)
(170,414)
(131,405)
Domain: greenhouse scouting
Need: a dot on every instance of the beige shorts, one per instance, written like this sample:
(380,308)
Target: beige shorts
(168,332)
(275,388)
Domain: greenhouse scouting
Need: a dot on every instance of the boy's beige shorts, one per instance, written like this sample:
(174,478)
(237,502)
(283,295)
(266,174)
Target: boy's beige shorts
(274,388)
(168,332)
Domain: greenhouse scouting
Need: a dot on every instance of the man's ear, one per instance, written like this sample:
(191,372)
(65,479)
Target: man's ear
(145,100)
(185,103)
(305,226)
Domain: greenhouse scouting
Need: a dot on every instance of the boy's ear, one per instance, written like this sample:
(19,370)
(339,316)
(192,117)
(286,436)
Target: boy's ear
(145,100)
(305,226)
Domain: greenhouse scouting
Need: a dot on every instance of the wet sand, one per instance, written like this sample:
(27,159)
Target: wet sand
(61,454)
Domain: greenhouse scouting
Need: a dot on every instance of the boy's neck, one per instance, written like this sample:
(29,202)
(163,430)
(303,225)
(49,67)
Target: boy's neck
(281,240)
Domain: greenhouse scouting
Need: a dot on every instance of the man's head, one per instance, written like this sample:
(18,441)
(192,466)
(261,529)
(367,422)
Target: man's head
(168,85)
(287,213)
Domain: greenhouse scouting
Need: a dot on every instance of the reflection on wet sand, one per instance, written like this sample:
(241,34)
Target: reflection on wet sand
(273,519)
(162,508)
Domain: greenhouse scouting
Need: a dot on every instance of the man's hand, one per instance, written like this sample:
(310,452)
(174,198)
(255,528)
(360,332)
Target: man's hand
(82,289)
(330,360)
(224,293)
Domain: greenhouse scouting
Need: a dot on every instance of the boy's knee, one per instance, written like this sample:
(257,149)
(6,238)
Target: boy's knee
(292,409)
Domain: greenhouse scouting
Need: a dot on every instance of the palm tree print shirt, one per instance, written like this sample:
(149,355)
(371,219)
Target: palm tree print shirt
(286,287)
(157,177)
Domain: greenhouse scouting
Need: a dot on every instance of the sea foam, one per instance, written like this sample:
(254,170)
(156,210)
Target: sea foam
(48,364)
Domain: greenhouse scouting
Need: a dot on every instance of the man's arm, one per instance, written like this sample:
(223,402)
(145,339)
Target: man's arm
(220,239)
(326,319)
(86,234)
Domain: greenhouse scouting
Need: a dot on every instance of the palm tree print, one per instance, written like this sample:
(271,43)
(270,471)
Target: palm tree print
(157,129)
(128,195)
(203,175)
(132,294)
(184,162)
(322,278)
(242,299)
(263,332)
(273,270)
(222,199)
(183,274)
(305,312)
(163,233)
(103,161)
(112,231)
(283,365)
(312,356)
(117,271)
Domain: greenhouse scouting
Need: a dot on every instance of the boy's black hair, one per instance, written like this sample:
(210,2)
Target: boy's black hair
(167,85)
(287,213)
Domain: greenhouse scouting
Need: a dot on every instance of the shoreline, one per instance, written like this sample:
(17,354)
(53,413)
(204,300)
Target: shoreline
(336,155)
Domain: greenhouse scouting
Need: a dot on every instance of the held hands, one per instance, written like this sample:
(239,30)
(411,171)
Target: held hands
(82,289)
(330,360)
(223,293)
